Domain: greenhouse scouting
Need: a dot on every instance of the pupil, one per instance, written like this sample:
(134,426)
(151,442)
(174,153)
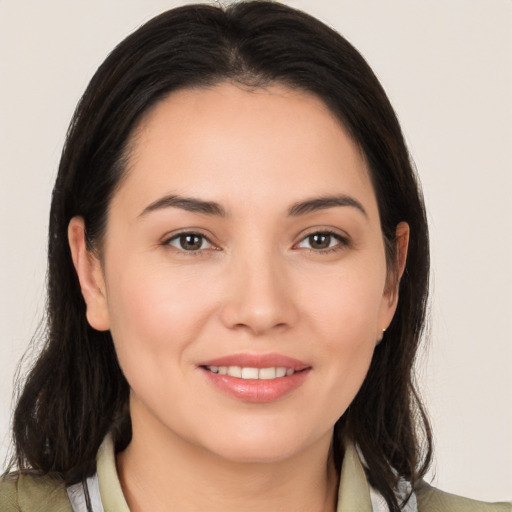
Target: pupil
(320,241)
(190,242)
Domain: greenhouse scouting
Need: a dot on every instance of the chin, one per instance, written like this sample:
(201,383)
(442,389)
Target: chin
(269,445)
(256,454)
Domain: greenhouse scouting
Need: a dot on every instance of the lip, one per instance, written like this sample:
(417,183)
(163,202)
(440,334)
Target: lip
(256,390)
(247,360)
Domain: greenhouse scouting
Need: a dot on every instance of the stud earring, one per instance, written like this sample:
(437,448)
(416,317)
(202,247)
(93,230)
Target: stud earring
(379,340)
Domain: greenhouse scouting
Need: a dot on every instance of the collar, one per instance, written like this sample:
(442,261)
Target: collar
(112,495)
(354,493)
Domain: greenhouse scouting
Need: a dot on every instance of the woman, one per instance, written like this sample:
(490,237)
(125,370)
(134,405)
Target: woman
(238,273)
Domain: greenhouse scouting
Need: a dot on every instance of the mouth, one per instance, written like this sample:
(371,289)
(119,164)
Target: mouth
(256,378)
(249,373)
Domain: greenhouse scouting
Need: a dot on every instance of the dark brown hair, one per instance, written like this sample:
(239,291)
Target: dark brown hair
(76,392)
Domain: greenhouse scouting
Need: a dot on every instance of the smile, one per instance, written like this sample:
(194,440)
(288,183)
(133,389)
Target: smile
(252,373)
(259,378)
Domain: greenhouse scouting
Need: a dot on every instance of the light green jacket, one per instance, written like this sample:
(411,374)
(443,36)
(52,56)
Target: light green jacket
(29,493)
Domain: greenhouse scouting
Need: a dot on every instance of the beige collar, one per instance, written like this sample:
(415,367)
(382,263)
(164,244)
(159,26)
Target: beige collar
(110,488)
(353,495)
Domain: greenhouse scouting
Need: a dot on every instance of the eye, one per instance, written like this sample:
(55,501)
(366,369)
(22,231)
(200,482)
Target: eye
(190,242)
(322,241)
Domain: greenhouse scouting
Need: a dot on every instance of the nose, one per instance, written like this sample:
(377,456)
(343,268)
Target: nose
(260,298)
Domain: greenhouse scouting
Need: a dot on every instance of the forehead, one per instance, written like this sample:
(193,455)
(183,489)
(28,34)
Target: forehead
(257,145)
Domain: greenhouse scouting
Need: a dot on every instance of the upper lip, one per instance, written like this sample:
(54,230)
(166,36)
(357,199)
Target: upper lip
(247,360)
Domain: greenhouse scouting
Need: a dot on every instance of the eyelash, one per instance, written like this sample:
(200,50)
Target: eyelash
(180,237)
(341,242)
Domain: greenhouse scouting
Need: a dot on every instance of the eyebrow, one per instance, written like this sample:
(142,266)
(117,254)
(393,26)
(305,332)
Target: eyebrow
(322,203)
(194,205)
(189,204)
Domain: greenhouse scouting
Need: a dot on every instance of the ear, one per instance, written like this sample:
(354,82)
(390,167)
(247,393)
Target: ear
(402,246)
(90,276)
(390,297)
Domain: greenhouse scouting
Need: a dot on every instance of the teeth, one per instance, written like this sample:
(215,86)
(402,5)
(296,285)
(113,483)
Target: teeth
(249,373)
(267,373)
(280,372)
(252,373)
(235,371)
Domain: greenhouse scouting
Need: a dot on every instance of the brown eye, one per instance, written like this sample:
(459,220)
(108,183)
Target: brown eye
(190,242)
(321,241)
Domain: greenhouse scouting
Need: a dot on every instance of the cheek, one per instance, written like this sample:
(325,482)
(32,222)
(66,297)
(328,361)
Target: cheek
(147,297)
(344,318)
(154,317)
(346,306)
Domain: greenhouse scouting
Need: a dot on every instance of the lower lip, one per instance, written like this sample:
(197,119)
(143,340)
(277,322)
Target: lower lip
(257,390)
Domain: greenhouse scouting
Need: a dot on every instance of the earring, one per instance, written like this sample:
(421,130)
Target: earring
(379,340)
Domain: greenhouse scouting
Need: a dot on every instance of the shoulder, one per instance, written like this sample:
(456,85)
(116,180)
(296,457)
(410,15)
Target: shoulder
(431,499)
(33,493)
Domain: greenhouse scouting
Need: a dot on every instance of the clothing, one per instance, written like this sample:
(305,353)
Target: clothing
(30,493)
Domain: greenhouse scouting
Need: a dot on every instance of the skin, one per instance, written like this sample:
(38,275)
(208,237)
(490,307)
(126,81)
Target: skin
(257,284)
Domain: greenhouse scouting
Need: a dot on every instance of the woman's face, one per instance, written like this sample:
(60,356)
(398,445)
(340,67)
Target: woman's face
(243,273)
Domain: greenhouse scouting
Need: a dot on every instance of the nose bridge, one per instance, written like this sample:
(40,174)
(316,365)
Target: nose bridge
(262,296)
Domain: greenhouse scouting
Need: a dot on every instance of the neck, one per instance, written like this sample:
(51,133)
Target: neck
(160,471)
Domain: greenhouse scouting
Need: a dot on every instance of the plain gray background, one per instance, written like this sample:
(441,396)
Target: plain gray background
(447,67)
